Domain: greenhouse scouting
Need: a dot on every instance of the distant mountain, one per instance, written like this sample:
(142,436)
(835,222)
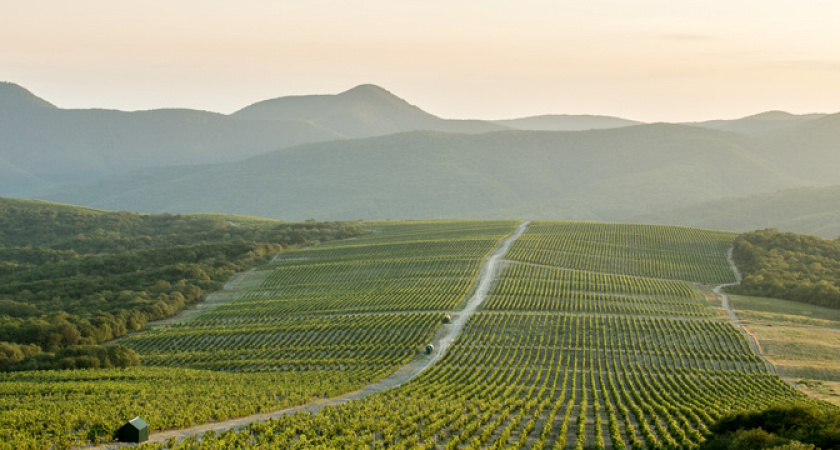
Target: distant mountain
(770,122)
(52,146)
(363,111)
(810,150)
(594,175)
(563,122)
(809,210)
(43,146)
(368,154)
(14,97)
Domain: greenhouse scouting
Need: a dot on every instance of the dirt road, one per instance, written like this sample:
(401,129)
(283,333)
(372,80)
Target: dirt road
(733,319)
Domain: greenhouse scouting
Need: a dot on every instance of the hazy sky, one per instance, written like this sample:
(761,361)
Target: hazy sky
(670,60)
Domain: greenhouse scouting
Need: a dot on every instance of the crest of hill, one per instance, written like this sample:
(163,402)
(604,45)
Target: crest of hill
(566,122)
(590,175)
(770,122)
(43,146)
(365,110)
(13,96)
(40,205)
(805,210)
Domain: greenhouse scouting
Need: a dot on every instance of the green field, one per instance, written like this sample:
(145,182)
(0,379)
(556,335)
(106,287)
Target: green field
(608,351)
(327,320)
(593,336)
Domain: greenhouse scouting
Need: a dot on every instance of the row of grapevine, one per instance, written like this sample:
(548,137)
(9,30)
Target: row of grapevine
(327,320)
(535,381)
(63,408)
(676,253)
(540,288)
(592,338)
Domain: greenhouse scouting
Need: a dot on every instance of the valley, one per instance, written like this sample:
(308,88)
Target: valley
(576,225)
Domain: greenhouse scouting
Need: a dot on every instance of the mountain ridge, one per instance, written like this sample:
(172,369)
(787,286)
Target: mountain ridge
(761,124)
(566,122)
(49,146)
(363,111)
(404,162)
(20,97)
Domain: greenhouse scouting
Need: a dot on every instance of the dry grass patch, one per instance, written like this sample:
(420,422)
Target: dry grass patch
(821,389)
(783,308)
(802,341)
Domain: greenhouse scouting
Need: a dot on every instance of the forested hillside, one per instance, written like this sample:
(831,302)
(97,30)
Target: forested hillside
(789,266)
(805,210)
(586,175)
(72,276)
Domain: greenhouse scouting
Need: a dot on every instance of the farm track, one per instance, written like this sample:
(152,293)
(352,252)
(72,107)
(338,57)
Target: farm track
(444,337)
(733,319)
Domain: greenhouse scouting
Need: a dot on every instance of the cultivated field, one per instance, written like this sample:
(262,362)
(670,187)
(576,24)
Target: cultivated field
(593,336)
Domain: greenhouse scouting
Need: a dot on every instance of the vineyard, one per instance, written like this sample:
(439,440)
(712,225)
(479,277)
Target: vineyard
(583,343)
(370,303)
(676,253)
(66,407)
(593,336)
(327,320)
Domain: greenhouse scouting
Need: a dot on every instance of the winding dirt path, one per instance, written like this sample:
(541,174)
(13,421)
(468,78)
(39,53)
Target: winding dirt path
(733,319)
(444,337)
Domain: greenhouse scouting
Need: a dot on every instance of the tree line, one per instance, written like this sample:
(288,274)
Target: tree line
(789,266)
(783,427)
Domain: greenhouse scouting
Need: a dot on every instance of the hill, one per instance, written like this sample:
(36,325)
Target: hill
(14,97)
(42,146)
(808,151)
(605,174)
(565,122)
(807,210)
(789,266)
(769,122)
(366,153)
(363,111)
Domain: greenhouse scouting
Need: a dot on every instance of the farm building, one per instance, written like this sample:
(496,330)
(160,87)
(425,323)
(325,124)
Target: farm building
(136,430)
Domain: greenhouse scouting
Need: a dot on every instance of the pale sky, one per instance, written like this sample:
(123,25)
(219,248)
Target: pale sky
(650,60)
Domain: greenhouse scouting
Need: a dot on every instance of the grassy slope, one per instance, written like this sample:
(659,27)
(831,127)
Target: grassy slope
(802,340)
